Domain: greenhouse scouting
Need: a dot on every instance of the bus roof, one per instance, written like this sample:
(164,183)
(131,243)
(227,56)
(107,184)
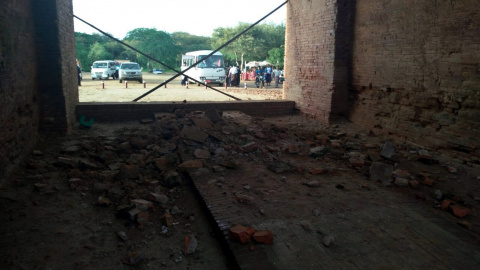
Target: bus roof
(203,52)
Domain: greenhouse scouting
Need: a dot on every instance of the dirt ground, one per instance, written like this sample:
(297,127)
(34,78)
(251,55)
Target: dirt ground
(118,196)
(112,90)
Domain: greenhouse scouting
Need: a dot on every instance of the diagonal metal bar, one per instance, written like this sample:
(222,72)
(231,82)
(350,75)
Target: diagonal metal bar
(182,72)
(151,58)
(219,48)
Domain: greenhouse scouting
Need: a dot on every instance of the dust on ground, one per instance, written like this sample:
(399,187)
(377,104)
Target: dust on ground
(117,196)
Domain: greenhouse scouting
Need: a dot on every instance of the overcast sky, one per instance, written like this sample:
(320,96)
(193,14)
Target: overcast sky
(197,17)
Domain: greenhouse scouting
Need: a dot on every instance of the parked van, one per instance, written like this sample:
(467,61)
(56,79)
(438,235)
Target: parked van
(130,71)
(103,69)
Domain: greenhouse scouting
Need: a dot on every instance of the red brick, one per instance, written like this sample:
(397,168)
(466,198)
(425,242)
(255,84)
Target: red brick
(264,236)
(460,211)
(167,220)
(317,171)
(241,233)
(446,204)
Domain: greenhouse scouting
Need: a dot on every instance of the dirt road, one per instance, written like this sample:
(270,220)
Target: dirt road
(114,91)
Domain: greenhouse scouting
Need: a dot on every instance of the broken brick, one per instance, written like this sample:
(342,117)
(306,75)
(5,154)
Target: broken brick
(142,218)
(160,198)
(241,233)
(446,204)
(264,236)
(167,220)
(413,183)
(460,211)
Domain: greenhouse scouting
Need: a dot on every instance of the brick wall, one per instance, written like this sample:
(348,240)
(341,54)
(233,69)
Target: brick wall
(416,71)
(134,111)
(18,74)
(56,57)
(318,56)
(310,55)
(38,89)
(409,68)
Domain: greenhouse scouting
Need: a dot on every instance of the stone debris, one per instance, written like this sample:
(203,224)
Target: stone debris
(328,240)
(190,244)
(381,172)
(318,151)
(387,150)
(137,175)
(133,258)
(122,235)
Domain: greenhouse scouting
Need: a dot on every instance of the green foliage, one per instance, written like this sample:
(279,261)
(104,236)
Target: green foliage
(157,44)
(275,56)
(189,43)
(98,52)
(264,41)
(254,45)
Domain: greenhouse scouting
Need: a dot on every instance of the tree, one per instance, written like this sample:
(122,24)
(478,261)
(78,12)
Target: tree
(157,44)
(98,52)
(276,56)
(254,44)
(189,43)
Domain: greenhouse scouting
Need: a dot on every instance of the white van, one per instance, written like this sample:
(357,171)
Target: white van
(130,71)
(211,70)
(103,69)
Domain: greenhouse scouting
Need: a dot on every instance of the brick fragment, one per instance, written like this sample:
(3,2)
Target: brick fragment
(264,236)
(413,183)
(160,198)
(446,204)
(460,211)
(241,233)
(317,171)
(167,220)
(142,218)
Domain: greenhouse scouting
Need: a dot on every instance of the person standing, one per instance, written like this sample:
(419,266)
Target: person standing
(79,73)
(276,75)
(259,77)
(233,75)
(237,82)
(268,74)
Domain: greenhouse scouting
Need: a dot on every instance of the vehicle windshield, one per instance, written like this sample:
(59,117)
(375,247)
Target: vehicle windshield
(99,65)
(130,66)
(214,61)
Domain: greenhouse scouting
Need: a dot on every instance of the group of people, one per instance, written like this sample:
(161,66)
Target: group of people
(268,74)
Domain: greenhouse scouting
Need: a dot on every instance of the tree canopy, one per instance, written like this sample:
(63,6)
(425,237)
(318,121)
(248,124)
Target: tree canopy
(262,42)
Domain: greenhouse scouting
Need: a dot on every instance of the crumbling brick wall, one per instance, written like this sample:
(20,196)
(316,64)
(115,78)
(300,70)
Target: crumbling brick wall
(18,72)
(38,89)
(409,68)
(416,71)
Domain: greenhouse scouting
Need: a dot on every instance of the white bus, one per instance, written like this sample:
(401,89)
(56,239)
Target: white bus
(210,70)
